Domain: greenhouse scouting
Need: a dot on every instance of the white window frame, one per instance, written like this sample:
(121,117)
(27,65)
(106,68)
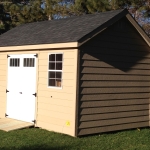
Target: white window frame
(55,87)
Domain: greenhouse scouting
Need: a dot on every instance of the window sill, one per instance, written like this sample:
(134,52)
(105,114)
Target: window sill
(53,87)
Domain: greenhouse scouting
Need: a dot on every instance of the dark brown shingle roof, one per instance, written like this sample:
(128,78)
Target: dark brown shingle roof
(57,31)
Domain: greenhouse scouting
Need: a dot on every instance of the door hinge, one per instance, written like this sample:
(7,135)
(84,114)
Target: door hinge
(8,56)
(34,121)
(6,115)
(34,94)
(36,55)
(7,91)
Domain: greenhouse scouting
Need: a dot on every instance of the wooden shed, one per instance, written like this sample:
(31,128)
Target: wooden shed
(77,76)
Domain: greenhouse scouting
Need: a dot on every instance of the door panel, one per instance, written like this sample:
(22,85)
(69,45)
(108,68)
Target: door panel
(21,87)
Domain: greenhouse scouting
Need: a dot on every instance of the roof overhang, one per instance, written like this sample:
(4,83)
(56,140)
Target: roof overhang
(40,47)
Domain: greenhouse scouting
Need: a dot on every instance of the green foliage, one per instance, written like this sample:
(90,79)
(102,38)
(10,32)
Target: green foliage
(91,6)
(21,14)
(115,4)
(97,5)
(4,21)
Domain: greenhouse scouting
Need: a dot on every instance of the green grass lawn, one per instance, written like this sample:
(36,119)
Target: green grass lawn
(38,139)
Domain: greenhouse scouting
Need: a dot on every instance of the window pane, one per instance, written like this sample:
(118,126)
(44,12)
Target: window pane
(58,66)
(14,62)
(18,62)
(58,57)
(52,75)
(58,82)
(11,63)
(51,82)
(31,62)
(51,66)
(52,57)
(24,62)
(27,64)
(58,75)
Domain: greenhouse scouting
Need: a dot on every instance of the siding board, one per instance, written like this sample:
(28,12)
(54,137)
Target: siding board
(95,77)
(3,57)
(113,109)
(115,58)
(3,62)
(122,65)
(114,103)
(112,128)
(114,96)
(58,102)
(52,120)
(3,78)
(114,71)
(110,51)
(57,108)
(43,87)
(115,84)
(124,35)
(115,90)
(55,95)
(115,115)
(121,40)
(113,122)
(55,114)
(2,72)
(117,45)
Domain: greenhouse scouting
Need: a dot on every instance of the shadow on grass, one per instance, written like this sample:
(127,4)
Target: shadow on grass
(37,148)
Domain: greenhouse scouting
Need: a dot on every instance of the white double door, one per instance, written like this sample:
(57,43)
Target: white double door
(21,87)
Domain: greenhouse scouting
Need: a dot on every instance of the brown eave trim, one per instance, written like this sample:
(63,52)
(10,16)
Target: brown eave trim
(138,28)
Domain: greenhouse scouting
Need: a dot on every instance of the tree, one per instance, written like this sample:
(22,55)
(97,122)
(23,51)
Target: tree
(4,20)
(90,6)
(25,11)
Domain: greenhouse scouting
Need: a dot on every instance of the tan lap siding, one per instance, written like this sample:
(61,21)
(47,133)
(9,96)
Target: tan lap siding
(114,81)
(56,107)
(3,79)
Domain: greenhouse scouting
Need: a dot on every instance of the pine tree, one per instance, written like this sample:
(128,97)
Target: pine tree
(4,20)
(50,8)
(2,17)
(90,6)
